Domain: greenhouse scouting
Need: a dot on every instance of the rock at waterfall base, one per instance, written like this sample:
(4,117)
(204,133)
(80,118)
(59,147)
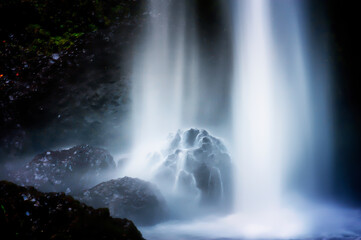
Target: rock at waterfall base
(197,168)
(26,213)
(128,197)
(71,171)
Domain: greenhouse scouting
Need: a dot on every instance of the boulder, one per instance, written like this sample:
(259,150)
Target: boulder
(196,166)
(70,171)
(26,213)
(130,198)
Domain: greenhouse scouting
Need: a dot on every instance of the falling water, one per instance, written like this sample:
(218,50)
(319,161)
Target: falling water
(280,116)
(164,78)
(273,119)
(159,72)
(258,110)
(173,86)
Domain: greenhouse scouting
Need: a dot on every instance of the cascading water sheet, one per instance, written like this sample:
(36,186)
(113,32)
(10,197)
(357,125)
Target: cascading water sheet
(280,123)
(259,113)
(164,73)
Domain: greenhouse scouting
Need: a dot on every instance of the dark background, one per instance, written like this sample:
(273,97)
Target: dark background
(337,22)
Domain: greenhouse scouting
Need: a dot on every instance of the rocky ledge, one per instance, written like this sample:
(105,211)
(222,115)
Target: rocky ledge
(26,213)
(72,170)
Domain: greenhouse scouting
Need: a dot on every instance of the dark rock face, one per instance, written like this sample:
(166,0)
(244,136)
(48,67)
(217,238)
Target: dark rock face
(26,213)
(69,171)
(69,95)
(128,197)
(197,165)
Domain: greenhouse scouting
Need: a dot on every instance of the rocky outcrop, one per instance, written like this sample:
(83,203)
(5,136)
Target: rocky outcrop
(26,213)
(70,93)
(197,165)
(70,171)
(128,197)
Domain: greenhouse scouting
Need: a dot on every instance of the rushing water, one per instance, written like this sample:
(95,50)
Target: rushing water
(164,78)
(275,112)
(279,112)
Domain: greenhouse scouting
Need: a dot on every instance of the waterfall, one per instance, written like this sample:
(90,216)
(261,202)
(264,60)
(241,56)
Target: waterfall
(258,112)
(164,78)
(274,103)
(158,73)
(180,79)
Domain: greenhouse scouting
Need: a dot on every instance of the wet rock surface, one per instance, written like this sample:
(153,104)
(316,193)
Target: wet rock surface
(128,197)
(26,213)
(69,171)
(197,165)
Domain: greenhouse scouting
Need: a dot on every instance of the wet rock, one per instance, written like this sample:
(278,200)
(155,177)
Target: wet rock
(198,166)
(128,197)
(26,213)
(69,171)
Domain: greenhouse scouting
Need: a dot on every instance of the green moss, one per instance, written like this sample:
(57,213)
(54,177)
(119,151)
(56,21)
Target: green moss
(56,25)
(92,27)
